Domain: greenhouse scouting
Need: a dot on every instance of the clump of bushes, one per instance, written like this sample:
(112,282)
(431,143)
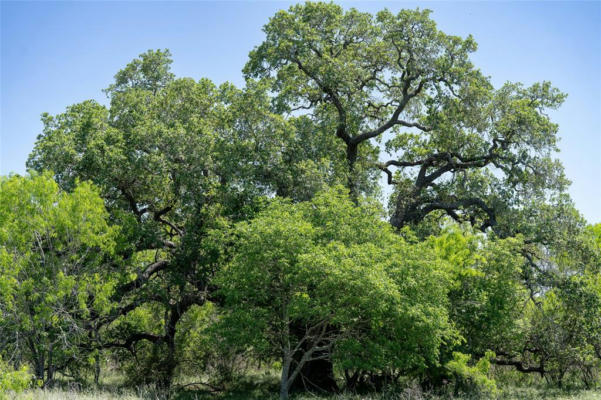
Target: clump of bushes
(13,380)
(472,378)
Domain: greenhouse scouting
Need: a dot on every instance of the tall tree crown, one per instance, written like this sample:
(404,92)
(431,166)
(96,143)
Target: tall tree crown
(459,146)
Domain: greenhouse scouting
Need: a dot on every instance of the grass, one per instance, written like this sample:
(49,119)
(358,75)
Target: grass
(264,386)
(407,394)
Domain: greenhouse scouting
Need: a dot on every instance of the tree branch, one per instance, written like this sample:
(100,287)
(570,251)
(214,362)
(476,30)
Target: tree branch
(341,129)
(143,277)
(133,339)
(394,119)
(519,365)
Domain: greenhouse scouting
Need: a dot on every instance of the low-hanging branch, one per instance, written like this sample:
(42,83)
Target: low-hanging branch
(520,366)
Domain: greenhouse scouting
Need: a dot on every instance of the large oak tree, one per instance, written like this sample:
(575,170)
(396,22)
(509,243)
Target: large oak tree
(175,159)
(458,144)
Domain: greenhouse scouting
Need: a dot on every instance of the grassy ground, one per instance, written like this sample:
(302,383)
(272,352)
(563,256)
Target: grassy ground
(146,394)
(261,385)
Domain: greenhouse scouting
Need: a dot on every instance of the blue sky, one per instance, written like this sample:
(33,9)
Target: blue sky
(54,54)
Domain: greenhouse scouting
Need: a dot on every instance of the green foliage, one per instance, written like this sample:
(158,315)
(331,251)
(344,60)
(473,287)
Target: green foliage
(54,253)
(559,328)
(564,332)
(174,160)
(459,146)
(149,72)
(204,345)
(475,376)
(13,381)
(139,362)
(192,227)
(338,274)
(487,294)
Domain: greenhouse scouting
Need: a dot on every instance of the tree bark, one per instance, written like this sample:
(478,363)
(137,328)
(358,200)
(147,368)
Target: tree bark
(97,359)
(284,378)
(168,365)
(351,158)
(97,369)
(175,313)
(40,368)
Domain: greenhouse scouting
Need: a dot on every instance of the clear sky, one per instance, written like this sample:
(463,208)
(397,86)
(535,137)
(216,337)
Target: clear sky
(54,54)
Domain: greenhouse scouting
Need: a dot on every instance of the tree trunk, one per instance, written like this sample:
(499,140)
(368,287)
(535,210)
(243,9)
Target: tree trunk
(176,311)
(97,359)
(351,158)
(315,375)
(169,363)
(351,381)
(40,367)
(96,369)
(50,369)
(284,378)
(39,362)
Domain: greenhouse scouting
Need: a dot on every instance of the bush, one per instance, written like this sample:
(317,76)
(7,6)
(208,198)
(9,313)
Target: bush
(12,380)
(472,378)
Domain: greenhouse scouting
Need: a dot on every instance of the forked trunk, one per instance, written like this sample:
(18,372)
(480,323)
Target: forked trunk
(317,374)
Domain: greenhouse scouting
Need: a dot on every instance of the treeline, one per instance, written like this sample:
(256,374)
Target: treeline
(190,229)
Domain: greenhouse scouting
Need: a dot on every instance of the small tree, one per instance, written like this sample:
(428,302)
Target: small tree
(54,248)
(473,377)
(312,276)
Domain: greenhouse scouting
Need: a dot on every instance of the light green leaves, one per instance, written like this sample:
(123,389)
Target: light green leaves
(55,252)
(473,375)
(330,263)
(13,381)
(149,72)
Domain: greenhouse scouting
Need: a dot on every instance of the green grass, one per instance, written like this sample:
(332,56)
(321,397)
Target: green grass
(407,394)
(263,385)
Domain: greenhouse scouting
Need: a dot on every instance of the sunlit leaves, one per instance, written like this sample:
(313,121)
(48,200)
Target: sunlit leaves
(328,261)
(55,249)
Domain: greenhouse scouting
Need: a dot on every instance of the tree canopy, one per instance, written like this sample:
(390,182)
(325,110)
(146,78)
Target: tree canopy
(458,145)
(55,254)
(324,275)
(187,225)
